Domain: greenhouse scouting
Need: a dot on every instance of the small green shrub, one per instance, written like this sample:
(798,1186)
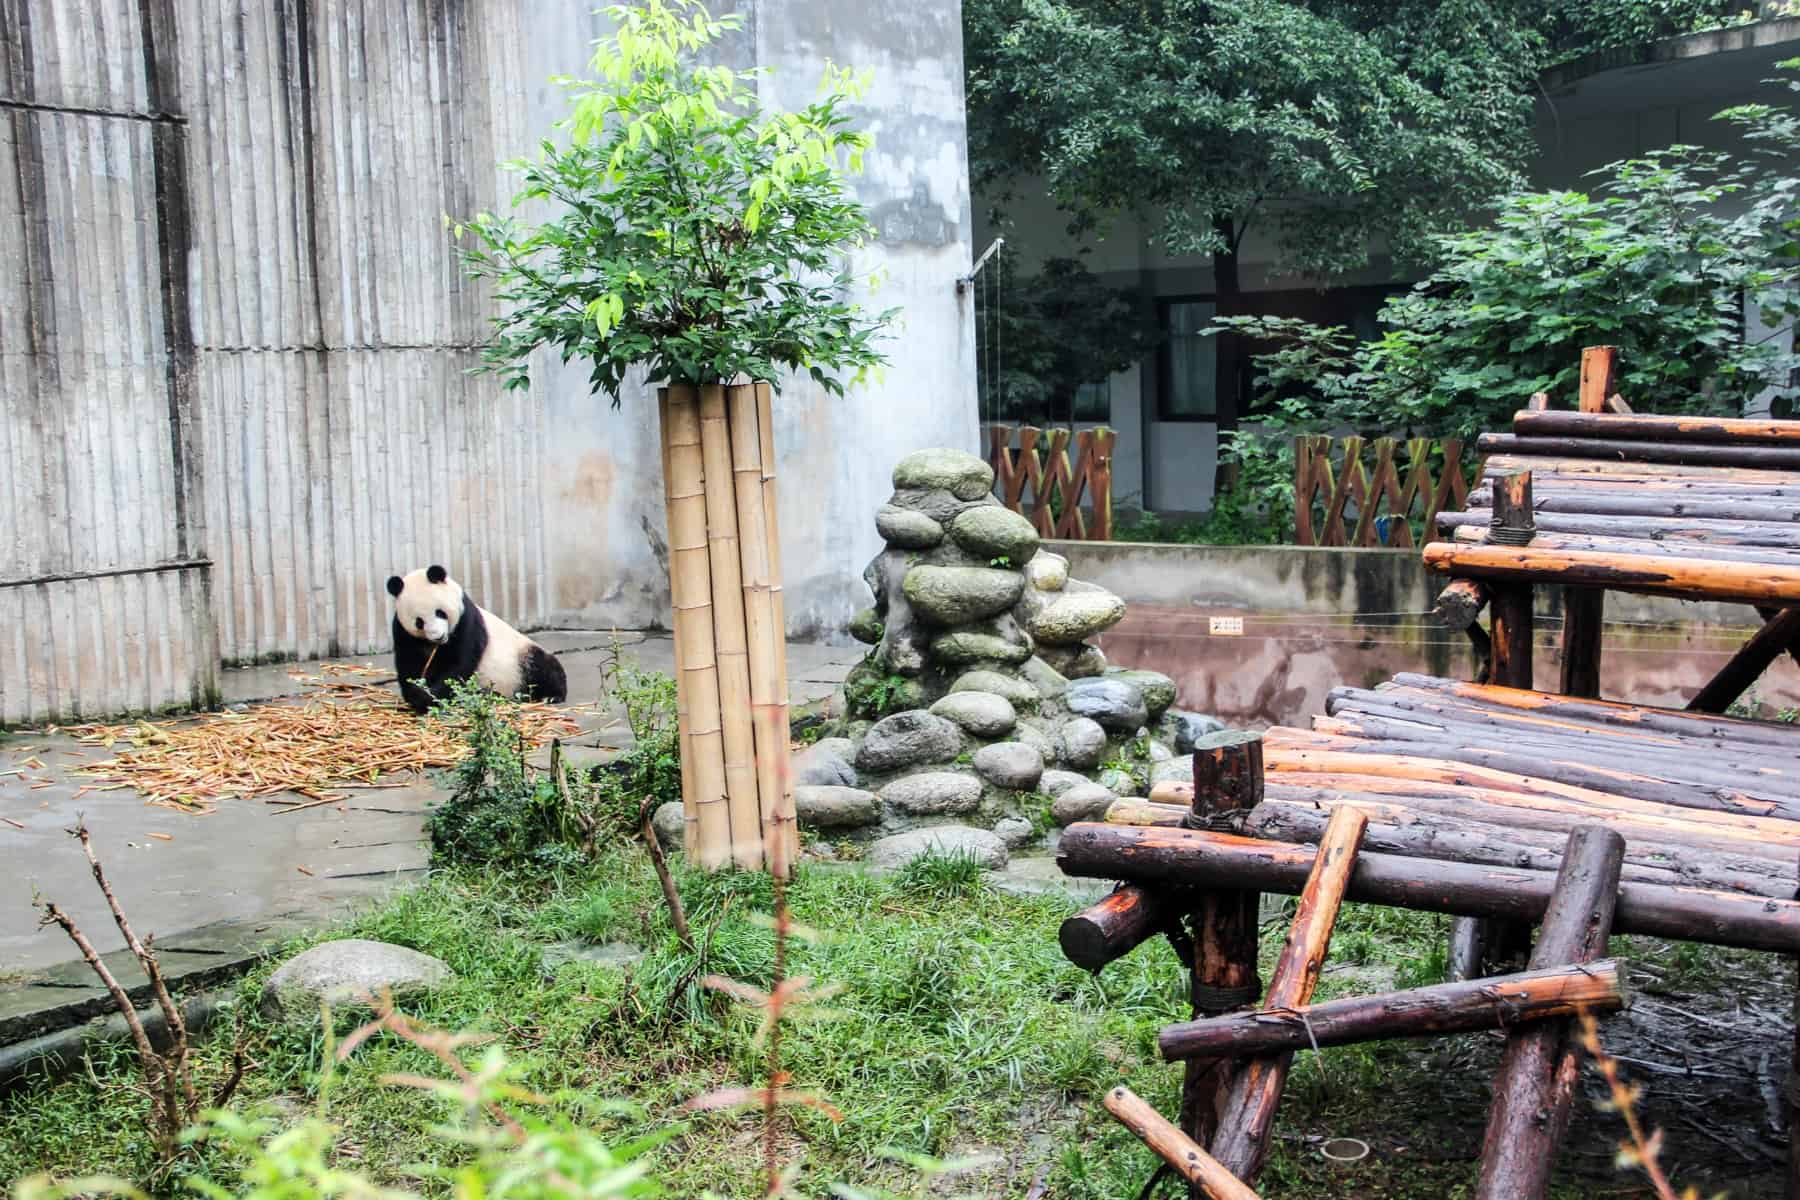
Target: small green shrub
(942,875)
(872,693)
(501,811)
(649,771)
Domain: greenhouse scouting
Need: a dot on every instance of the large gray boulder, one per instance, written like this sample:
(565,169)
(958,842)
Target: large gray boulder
(1053,783)
(957,595)
(1015,832)
(956,471)
(1190,727)
(944,840)
(908,739)
(1083,743)
(979,645)
(1175,770)
(995,533)
(349,971)
(670,823)
(817,767)
(1011,765)
(1047,572)
(1117,705)
(1157,689)
(933,793)
(827,807)
(981,713)
(1019,693)
(906,528)
(1088,802)
(1074,617)
(1038,740)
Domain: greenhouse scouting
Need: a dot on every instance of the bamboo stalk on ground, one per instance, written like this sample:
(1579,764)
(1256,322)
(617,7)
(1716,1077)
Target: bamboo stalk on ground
(729,634)
(1498,1002)
(1248,1116)
(765,639)
(785,816)
(690,586)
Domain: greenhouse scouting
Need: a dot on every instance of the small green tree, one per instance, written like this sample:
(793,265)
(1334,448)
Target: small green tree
(693,231)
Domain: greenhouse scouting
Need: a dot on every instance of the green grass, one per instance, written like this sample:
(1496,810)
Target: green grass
(958,1029)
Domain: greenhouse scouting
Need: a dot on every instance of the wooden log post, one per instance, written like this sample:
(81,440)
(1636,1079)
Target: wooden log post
(1112,928)
(1502,1002)
(1584,612)
(1598,366)
(1776,636)
(1510,615)
(1535,1088)
(1228,782)
(1175,1148)
(1248,1116)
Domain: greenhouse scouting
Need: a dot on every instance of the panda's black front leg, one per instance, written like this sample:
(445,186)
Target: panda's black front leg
(418,695)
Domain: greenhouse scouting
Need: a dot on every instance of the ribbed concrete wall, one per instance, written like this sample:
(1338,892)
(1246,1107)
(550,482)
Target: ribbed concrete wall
(234,338)
(333,329)
(101,604)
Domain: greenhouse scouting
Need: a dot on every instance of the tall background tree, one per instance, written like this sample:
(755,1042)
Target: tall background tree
(1341,128)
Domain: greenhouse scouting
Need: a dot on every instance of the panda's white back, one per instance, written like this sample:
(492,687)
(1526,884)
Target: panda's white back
(502,662)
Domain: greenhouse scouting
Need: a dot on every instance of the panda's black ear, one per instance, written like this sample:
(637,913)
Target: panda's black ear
(435,574)
(395,585)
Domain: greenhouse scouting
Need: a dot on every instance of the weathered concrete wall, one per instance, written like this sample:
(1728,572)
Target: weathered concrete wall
(604,531)
(1317,618)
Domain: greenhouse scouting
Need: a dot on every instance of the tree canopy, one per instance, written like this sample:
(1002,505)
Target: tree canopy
(1338,125)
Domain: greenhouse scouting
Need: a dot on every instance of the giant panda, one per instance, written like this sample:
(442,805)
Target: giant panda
(441,635)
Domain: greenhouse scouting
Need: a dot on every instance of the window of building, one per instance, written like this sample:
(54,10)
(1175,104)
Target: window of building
(1093,402)
(1189,362)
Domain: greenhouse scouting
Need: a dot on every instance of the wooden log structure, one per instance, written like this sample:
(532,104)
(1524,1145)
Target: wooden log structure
(1114,926)
(1174,1147)
(1156,856)
(1778,635)
(1228,780)
(1536,1085)
(1499,1002)
(1247,1117)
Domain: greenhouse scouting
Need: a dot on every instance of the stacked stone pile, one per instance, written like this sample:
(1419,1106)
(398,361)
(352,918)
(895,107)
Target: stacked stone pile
(983,712)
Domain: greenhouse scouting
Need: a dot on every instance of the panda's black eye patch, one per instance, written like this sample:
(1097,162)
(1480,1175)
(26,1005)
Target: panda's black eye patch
(442,615)
(418,622)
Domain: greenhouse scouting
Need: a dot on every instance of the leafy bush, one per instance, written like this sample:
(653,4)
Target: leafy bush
(649,771)
(1578,27)
(696,233)
(500,810)
(942,875)
(1650,263)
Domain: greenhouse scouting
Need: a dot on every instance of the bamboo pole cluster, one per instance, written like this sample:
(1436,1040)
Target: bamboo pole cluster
(719,477)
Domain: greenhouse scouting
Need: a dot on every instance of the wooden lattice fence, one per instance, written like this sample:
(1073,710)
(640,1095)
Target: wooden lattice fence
(1338,501)
(1037,478)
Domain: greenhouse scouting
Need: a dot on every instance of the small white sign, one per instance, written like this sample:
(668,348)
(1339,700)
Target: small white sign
(1226,626)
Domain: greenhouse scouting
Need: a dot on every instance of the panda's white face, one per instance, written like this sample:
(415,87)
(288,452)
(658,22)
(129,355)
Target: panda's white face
(427,603)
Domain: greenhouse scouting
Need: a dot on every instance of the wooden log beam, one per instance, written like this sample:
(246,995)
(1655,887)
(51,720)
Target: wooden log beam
(1175,1148)
(1638,499)
(1248,1116)
(1646,428)
(1778,635)
(1228,781)
(1113,927)
(1511,604)
(1696,454)
(1734,531)
(1460,603)
(1146,854)
(1639,548)
(1536,1086)
(1500,1002)
(1688,578)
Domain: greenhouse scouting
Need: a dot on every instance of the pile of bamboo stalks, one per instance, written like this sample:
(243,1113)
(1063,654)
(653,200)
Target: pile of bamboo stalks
(730,641)
(342,736)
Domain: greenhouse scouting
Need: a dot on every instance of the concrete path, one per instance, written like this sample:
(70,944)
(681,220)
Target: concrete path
(221,886)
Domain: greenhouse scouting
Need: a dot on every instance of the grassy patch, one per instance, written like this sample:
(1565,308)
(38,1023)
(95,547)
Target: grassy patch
(958,1029)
